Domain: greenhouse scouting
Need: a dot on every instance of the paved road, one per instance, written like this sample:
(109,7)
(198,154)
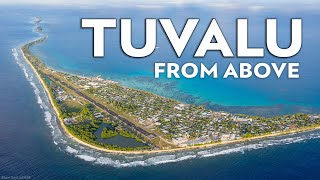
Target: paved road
(130,124)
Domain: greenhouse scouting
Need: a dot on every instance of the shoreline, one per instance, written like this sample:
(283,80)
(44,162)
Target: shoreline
(202,146)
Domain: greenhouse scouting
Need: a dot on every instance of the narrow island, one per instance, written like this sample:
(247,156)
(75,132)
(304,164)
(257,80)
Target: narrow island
(106,116)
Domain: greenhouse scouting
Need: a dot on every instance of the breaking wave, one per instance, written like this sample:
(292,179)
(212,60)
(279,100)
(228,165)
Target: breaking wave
(67,145)
(86,158)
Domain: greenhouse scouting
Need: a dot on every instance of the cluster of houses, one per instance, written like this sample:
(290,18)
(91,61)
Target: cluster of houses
(213,131)
(314,117)
(98,115)
(182,123)
(73,120)
(215,137)
(62,95)
(89,82)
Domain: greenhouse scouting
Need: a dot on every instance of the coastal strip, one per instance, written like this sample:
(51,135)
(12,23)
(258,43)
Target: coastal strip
(65,129)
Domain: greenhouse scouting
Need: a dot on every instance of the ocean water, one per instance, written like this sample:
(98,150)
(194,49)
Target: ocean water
(69,48)
(33,145)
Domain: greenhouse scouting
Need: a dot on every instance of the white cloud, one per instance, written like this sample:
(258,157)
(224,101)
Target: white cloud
(257,8)
(226,5)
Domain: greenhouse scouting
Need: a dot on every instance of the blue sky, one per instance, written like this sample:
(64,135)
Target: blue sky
(286,5)
(156,2)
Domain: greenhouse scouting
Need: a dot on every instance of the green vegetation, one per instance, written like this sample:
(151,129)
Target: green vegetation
(108,133)
(119,148)
(87,126)
(247,135)
(85,131)
(163,117)
(130,135)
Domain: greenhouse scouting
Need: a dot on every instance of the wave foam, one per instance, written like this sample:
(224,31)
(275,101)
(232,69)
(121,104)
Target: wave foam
(71,150)
(86,158)
(66,144)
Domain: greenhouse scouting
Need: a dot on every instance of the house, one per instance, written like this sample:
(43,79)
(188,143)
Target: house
(69,121)
(225,137)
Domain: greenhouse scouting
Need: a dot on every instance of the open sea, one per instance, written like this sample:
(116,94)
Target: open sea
(33,145)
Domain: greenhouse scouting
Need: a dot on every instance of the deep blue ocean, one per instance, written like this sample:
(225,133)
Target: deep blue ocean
(69,48)
(33,145)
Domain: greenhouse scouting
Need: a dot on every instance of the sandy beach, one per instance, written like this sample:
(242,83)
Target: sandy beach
(155,151)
